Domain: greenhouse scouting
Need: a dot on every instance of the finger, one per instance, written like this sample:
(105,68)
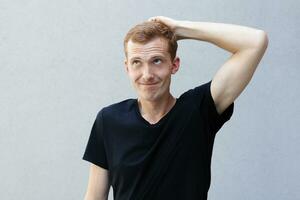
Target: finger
(153,19)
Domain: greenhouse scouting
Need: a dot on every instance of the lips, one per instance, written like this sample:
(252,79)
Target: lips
(148,86)
(148,83)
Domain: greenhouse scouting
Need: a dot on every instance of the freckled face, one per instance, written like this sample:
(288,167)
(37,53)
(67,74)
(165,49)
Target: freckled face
(149,68)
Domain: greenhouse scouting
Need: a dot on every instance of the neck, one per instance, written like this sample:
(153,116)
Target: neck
(154,110)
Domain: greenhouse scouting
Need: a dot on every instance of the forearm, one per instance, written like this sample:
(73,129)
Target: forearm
(229,37)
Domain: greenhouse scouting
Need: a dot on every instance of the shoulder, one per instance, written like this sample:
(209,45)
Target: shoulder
(197,91)
(117,108)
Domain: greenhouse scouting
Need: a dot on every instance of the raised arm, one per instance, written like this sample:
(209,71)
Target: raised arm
(98,184)
(246,44)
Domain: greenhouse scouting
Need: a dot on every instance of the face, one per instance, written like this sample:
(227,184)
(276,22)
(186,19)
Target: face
(149,67)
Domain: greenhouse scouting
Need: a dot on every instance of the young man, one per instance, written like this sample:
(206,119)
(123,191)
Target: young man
(157,146)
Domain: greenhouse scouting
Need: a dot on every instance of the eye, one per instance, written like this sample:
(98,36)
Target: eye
(157,61)
(135,62)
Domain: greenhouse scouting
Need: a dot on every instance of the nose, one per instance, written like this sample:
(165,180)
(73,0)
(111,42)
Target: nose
(147,73)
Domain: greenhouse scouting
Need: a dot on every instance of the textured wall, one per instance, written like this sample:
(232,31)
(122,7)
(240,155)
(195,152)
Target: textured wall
(61,61)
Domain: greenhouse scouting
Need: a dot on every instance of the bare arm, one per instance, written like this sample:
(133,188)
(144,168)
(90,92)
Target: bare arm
(246,44)
(98,184)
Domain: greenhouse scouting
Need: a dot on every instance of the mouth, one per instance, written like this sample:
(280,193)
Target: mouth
(148,84)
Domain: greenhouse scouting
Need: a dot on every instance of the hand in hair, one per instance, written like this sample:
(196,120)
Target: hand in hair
(171,23)
(165,20)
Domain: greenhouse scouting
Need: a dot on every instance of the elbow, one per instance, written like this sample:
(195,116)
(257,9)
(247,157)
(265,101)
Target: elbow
(262,39)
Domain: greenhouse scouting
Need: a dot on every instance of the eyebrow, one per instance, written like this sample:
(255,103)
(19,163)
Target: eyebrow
(155,56)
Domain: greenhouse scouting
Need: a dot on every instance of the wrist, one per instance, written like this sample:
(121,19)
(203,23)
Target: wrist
(183,30)
(188,30)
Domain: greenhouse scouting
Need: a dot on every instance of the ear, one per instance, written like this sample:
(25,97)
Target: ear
(126,65)
(175,64)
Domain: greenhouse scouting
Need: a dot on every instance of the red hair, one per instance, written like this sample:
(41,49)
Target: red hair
(148,30)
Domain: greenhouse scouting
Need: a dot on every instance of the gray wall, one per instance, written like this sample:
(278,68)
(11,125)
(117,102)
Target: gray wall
(61,61)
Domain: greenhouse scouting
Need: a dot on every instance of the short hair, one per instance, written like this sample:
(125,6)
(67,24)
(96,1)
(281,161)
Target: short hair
(148,30)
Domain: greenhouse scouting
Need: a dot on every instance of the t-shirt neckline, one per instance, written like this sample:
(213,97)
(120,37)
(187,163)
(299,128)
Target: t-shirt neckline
(137,110)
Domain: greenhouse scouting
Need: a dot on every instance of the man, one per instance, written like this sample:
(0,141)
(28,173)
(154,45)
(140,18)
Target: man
(156,146)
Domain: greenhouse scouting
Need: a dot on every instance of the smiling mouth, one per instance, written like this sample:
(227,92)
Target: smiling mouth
(149,84)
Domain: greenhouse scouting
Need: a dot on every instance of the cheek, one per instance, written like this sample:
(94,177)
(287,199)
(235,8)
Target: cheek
(134,76)
(164,74)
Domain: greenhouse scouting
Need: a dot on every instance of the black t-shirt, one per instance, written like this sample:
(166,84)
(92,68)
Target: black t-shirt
(170,159)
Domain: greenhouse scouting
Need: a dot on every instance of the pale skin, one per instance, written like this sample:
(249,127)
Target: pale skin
(147,64)
(98,184)
(151,64)
(246,44)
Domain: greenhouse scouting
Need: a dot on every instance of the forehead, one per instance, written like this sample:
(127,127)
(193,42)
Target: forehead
(156,46)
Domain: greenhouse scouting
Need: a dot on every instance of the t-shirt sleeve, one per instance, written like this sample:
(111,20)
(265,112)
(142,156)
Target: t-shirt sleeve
(95,149)
(205,102)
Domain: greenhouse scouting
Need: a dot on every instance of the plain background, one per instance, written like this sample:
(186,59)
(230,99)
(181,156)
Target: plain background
(62,61)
